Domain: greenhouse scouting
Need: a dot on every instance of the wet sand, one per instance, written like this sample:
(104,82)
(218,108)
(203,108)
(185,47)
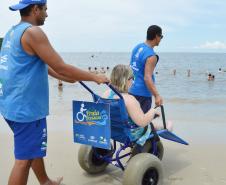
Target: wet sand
(200,163)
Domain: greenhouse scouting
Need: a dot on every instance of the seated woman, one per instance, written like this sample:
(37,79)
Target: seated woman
(121,79)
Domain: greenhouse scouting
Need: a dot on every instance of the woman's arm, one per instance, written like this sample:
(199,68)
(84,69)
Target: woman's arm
(135,112)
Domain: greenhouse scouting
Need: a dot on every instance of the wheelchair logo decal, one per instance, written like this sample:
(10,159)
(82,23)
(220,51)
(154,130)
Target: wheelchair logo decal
(80,115)
(91,116)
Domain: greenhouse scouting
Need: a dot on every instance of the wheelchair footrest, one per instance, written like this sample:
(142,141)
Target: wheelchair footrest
(171,136)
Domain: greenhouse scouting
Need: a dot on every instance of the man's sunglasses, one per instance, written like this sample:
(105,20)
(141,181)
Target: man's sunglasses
(160,35)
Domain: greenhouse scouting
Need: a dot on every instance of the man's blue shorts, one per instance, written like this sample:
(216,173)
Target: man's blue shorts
(30,139)
(145,102)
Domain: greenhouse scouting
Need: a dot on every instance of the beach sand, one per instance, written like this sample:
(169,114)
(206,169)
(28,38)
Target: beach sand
(203,162)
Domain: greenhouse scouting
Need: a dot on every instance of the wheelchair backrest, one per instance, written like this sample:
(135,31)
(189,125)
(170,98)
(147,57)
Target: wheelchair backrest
(118,117)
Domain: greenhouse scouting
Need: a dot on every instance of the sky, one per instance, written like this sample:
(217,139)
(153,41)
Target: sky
(118,25)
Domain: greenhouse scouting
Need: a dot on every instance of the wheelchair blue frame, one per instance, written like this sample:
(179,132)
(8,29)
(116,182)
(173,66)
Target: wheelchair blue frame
(119,123)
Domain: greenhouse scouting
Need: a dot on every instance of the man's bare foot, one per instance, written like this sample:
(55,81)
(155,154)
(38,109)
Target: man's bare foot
(52,182)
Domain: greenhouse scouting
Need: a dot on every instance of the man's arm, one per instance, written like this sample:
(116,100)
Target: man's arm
(59,77)
(35,42)
(148,71)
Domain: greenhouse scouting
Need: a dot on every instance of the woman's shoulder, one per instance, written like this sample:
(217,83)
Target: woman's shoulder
(129,99)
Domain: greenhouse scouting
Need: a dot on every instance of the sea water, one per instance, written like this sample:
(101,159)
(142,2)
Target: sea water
(194,92)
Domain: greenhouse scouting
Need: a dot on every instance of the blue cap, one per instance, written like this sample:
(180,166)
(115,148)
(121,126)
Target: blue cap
(24,3)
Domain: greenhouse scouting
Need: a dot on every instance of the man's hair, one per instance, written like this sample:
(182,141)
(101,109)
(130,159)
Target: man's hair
(119,77)
(26,11)
(152,31)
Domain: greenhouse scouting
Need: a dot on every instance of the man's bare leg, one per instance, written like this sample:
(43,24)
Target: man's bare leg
(20,172)
(38,167)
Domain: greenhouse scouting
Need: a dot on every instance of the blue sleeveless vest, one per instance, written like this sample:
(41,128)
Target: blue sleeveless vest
(138,60)
(24,91)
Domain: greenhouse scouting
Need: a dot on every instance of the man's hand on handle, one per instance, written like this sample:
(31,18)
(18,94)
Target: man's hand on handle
(158,100)
(101,79)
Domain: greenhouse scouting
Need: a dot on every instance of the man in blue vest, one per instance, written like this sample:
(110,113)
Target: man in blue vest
(27,58)
(143,62)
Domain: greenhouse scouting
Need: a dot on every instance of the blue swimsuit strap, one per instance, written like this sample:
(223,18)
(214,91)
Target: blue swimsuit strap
(111,95)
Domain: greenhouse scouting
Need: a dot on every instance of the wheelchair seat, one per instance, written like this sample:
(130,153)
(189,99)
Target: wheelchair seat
(122,127)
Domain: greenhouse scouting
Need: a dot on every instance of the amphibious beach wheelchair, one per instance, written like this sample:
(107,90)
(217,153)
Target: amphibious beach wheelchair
(143,166)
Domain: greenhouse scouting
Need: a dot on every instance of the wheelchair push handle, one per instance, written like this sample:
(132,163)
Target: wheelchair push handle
(108,84)
(86,87)
(163,115)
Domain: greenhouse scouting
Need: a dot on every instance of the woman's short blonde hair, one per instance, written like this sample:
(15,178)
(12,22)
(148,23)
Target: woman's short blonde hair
(119,77)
